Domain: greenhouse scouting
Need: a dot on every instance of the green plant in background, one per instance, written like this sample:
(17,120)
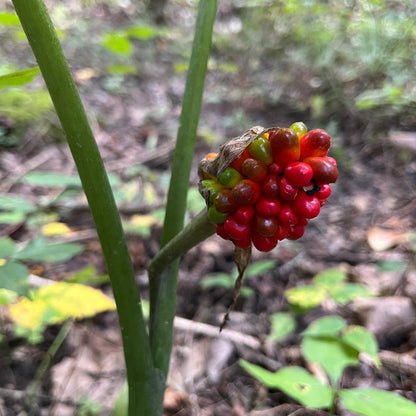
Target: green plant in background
(227,280)
(32,310)
(330,284)
(333,345)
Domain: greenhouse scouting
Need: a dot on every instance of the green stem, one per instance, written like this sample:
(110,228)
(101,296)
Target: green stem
(145,386)
(163,287)
(196,231)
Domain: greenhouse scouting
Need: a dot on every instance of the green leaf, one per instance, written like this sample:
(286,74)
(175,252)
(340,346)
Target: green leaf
(331,354)
(18,78)
(346,292)
(14,217)
(58,302)
(330,277)
(362,340)
(259,267)
(7,247)
(282,324)
(295,382)
(328,325)
(305,297)
(141,32)
(40,249)
(119,69)
(88,275)
(7,296)
(373,402)
(14,276)
(9,19)
(15,203)
(392,266)
(118,43)
(51,179)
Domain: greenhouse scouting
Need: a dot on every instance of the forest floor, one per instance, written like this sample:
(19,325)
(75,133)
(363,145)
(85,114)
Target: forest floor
(364,225)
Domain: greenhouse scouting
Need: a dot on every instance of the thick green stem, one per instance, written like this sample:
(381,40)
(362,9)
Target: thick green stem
(196,231)
(163,286)
(145,385)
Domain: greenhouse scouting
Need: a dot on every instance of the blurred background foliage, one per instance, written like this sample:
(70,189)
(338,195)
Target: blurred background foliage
(344,65)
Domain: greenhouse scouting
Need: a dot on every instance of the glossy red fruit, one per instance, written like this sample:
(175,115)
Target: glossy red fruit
(302,221)
(268,206)
(264,243)
(237,163)
(254,169)
(298,173)
(236,230)
(284,144)
(282,231)
(246,192)
(219,228)
(287,191)
(287,216)
(331,160)
(244,214)
(314,143)
(265,225)
(243,243)
(323,170)
(305,205)
(223,201)
(295,232)
(275,168)
(324,192)
(270,186)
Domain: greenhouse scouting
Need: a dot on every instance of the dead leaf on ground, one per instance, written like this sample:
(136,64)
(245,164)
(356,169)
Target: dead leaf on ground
(380,239)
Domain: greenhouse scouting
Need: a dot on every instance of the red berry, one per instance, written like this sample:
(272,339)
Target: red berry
(284,144)
(275,169)
(268,206)
(243,243)
(264,243)
(314,143)
(331,160)
(295,232)
(282,231)
(236,163)
(265,225)
(287,190)
(324,192)
(302,221)
(270,186)
(254,169)
(244,214)
(287,216)
(219,228)
(323,170)
(236,230)
(305,205)
(223,201)
(246,192)
(298,173)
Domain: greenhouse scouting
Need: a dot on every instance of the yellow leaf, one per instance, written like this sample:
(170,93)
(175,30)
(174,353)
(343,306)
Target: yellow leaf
(55,228)
(2,262)
(143,220)
(57,302)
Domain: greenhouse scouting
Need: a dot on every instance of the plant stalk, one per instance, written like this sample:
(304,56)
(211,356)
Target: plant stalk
(163,286)
(145,384)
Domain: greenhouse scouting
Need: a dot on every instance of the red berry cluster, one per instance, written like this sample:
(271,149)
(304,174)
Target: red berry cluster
(273,188)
